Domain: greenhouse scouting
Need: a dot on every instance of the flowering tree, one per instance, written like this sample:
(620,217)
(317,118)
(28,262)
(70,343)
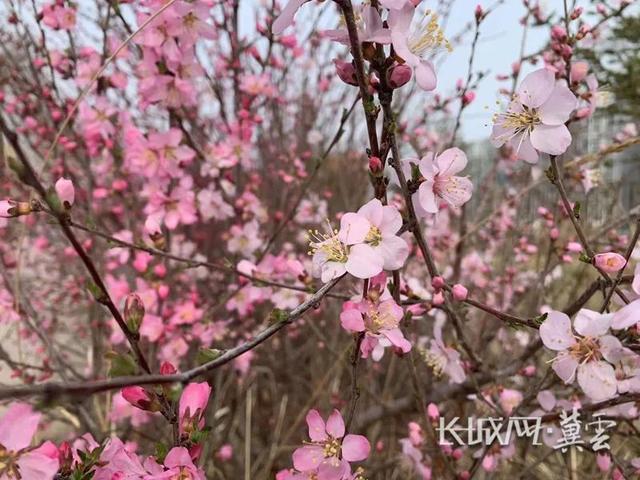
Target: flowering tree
(221,218)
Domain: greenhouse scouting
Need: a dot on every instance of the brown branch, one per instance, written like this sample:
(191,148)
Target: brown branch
(52,390)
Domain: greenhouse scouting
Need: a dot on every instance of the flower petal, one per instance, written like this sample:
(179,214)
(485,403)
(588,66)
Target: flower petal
(355,448)
(536,87)
(550,139)
(316,426)
(335,425)
(426,75)
(557,109)
(555,331)
(353,228)
(363,262)
(286,16)
(307,458)
(565,367)
(451,161)
(372,211)
(597,380)
(627,316)
(394,251)
(592,324)
(427,197)
(352,320)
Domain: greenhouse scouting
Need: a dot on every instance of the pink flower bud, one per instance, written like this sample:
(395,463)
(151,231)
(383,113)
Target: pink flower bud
(603,461)
(576,13)
(459,292)
(375,165)
(438,283)
(479,13)
(399,75)
(66,192)
(609,262)
(193,402)
(457,454)
(225,453)
(133,311)
(468,97)
(438,299)
(558,33)
(554,234)
(464,475)
(346,72)
(579,71)
(432,411)
(167,368)
(140,398)
(529,371)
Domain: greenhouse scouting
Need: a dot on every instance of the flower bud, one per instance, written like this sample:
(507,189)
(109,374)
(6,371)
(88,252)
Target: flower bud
(433,412)
(558,33)
(609,262)
(11,209)
(346,72)
(140,398)
(468,97)
(579,71)
(438,283)
(479,13)
(459,292)
(375,165)
(399,75)
(133,311)
(603,461)
(576,13)
(167,368)
(438,299)
(66,192)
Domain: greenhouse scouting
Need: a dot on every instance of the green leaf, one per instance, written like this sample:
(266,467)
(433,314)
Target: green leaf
(122,364)
(206,355)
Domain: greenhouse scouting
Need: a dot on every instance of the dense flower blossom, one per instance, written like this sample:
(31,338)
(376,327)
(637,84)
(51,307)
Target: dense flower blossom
(589,352)
(330,451)
(535,119)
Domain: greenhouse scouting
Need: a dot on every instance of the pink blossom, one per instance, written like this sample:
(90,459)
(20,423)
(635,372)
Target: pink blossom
(444,359)
(440,181)
(66,192)
(535,119)
(609,262)
(329,453)
(380,321)
(589,351)
(332,257)
(384,222)
(414,44)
